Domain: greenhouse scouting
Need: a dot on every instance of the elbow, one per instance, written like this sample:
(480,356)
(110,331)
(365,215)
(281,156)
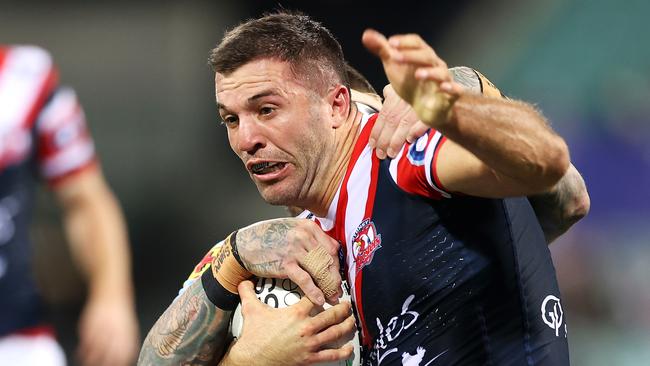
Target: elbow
(580,207)
(554,165)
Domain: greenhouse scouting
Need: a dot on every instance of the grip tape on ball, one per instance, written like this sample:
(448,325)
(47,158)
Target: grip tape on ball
(220,284)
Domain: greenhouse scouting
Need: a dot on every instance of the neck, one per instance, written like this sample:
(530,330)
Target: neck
(346,137)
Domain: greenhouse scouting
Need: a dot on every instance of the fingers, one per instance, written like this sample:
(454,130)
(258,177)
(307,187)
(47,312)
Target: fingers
(406,41)
(438,74)
(305,306)
(393,135)
(338,334)
(331,316)
(376,43)
(333,278)
(416,131)
(395,120)
(248,297)
(452,88)
(398,139)
(306,284)
(336,276)
(332,355)
(320,238)
(389,99)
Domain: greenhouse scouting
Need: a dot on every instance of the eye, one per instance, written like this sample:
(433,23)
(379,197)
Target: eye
(265,111)
(229,120)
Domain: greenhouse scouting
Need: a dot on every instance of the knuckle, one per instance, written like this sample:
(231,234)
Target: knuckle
(306,330)
(301,278)
(311,343)
(341,331)
(347,351)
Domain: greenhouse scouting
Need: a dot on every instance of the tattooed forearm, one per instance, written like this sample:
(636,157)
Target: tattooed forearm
(563,206)
(264,268)
(263,246)
(192,331)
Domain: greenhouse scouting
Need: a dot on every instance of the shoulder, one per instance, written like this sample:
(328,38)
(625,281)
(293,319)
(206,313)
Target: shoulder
(29,57)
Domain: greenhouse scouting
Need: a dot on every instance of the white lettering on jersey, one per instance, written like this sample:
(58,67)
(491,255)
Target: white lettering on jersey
(552,313)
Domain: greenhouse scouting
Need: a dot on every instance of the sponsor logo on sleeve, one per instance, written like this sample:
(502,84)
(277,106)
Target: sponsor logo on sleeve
(417,150)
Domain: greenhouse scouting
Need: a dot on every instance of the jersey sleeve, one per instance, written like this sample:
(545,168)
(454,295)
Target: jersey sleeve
(65,146)
(414,168)
(201,267)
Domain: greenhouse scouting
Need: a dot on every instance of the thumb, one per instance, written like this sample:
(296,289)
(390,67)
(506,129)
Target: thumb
(376,43)
(249,300)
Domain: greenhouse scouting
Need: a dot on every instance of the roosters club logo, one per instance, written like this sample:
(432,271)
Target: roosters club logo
(365,242)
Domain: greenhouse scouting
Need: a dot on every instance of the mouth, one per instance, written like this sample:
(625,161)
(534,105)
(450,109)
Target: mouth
(267,170)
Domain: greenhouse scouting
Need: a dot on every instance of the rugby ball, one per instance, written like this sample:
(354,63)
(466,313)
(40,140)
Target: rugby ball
(281,293)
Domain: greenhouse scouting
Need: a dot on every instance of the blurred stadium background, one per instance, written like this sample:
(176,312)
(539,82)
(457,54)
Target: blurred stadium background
(140,70)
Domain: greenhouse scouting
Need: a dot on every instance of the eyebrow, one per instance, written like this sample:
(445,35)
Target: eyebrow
(252,99)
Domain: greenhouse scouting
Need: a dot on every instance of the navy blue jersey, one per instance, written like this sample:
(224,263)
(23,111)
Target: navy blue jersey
(43,136)
(442,279)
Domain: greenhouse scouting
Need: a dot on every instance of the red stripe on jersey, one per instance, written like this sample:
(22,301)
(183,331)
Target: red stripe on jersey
(372,190)
(340,216)
(3,54)
(434,165)
(48,147)
(412,178)
(46,89)
(59,181)
(36,331)
(361,143)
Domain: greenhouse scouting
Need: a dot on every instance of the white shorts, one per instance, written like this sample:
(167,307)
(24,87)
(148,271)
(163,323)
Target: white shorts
(31,350)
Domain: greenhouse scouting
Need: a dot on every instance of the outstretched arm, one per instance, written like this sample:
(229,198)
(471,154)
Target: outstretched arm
(557,209)
(496,147)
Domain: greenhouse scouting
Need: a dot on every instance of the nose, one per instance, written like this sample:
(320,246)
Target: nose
(250,136)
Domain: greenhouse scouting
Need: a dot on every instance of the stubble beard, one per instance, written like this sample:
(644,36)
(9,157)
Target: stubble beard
(300,187)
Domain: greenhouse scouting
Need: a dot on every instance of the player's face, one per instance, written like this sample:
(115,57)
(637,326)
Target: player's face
(278,127)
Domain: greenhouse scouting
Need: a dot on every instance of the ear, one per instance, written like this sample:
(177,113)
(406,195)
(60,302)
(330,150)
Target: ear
(339,100)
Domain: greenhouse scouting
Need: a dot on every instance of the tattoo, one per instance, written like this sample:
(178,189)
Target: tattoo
(563,206)
(275,234)
(264,268)
(191,331)
(262,246)
(466,77)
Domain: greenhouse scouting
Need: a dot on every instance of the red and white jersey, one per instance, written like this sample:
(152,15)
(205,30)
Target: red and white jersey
(36,115)
(413,170)
(441,279)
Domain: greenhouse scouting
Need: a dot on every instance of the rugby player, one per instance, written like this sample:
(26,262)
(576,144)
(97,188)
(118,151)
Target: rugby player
(44,138)
(444,268)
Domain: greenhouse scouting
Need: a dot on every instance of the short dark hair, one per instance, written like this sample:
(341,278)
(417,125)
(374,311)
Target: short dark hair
(358,81)
(292,37)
